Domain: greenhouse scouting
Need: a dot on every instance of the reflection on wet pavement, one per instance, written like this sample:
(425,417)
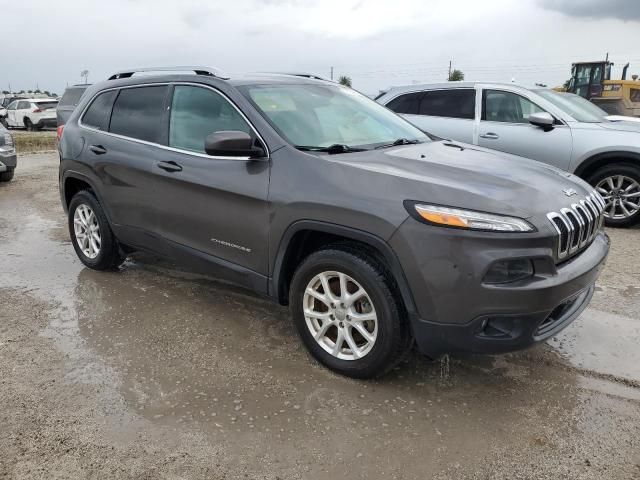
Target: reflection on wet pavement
(182,351)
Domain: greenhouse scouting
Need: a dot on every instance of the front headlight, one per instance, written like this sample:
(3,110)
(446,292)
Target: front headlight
(467,219)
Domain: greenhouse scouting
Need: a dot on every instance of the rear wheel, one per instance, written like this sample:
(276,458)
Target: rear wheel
(91,235)
(346,310)
(619,185)
(28,125)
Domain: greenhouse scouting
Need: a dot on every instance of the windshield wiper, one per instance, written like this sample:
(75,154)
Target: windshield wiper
(399,141)
(331,149)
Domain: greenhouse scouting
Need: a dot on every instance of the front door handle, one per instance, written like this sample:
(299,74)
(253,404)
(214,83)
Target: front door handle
(98,149)
(169,166)
(490,136)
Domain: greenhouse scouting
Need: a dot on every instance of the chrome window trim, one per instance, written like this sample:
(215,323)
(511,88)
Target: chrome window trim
(166,147)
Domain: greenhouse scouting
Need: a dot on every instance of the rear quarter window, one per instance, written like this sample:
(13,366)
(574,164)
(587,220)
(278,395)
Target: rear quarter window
(99,112)
(138,112)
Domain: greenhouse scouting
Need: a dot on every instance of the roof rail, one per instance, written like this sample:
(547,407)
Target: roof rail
(198,70)
(299,74)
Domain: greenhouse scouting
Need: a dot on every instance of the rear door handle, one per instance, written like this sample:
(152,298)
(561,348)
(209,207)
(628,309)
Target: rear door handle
(169,166)
(98,149)
(490,136)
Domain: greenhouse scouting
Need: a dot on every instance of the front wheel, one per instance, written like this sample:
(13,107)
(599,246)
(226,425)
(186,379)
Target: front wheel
(91,235)
(348,314)
(6,176)
(619,185)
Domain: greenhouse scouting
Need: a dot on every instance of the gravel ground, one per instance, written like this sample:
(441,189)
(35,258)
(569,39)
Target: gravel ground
(153,372)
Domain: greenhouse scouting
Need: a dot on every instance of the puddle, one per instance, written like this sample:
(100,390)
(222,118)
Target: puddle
(604,343)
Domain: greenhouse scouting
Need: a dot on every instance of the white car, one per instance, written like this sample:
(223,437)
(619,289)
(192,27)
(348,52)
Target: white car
(32,113)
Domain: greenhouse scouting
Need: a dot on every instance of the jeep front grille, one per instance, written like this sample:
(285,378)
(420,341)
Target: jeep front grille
(578,225)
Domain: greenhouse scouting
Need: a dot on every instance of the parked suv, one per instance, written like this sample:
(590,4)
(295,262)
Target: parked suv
(32,113)
(561,129)
(301,189)
(69,101)
(8,157)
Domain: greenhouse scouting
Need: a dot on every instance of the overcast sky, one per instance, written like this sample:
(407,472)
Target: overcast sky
(376,42)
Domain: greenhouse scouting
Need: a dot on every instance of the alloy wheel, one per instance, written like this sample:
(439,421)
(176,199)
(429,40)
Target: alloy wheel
(87,231)
(340,315)
(621,195)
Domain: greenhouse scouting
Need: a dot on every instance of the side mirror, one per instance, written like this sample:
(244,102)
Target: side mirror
(231,143)
(543,120)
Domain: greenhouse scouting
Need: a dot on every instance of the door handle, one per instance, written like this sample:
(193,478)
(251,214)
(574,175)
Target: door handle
(98,149)
(169,166)
(490,136)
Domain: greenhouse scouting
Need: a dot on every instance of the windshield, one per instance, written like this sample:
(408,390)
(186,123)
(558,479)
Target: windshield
(576,106)
(322,116)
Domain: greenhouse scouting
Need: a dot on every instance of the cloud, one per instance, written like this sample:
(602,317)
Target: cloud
(627,10)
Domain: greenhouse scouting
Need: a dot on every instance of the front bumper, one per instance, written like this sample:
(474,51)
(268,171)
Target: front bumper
(8,159)
(457,312)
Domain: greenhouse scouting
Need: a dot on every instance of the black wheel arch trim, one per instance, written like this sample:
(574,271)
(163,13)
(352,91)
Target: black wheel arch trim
(621,155)
(275,281)
(84,178)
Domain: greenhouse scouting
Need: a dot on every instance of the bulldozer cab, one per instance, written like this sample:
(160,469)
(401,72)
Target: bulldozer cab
(587,78)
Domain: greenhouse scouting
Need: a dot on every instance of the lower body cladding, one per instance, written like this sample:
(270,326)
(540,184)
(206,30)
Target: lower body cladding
(458,311)
(8,161)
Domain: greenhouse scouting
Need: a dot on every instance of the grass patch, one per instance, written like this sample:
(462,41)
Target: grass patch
(30,142)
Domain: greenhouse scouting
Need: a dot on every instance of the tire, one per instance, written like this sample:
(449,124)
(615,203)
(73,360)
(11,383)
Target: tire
(609,176)
(6,176)
(3,121)
(28,125)
(109,255)
(392,335)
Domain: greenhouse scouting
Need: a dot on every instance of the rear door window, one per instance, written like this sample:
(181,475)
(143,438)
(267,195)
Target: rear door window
(197,112)
(99,112)
(23,105)
(454,103)
(138,113)
(409,103)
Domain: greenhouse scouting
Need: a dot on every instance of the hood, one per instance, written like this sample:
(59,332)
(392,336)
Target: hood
(465,176)
(622,125)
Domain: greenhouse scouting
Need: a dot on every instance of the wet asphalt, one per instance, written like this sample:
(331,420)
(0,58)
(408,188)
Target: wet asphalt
(154,372)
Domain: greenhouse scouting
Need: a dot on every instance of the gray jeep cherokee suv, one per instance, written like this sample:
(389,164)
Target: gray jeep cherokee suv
(375,235)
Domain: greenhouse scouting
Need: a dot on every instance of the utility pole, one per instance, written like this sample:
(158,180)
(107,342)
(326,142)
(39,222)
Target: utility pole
(449,77)
(331,73)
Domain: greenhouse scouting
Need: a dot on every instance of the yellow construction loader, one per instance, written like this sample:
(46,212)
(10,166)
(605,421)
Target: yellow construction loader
(592,80)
